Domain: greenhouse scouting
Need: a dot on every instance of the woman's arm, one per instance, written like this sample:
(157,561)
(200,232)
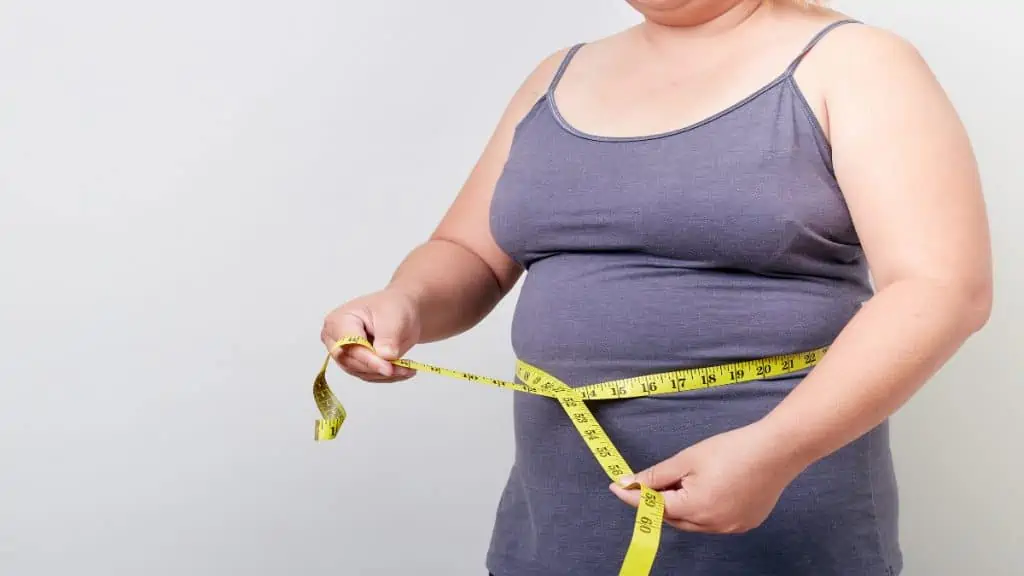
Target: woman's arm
(910,179)
(452,281)
(459,275)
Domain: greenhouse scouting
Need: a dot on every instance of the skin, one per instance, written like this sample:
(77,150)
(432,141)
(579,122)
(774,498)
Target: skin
(907,172)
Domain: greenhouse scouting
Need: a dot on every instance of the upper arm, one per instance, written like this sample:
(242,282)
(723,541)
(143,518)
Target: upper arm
(466,221)
(906,167)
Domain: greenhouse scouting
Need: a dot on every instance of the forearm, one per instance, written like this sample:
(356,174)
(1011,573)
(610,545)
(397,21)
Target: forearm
(891,347)
(452,288)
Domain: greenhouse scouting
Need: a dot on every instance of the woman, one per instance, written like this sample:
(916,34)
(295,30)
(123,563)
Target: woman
(712,185)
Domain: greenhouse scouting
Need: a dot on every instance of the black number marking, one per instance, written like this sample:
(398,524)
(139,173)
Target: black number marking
(764,370)
(708,379)
(787,364)
(649,387)
(736,375)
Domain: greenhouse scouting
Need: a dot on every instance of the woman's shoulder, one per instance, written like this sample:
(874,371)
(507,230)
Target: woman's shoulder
(859,57)
(835,39)
(533,87)
(544,71)
(547,69)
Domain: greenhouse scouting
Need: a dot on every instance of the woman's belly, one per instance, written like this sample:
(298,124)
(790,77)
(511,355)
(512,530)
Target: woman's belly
(587,319)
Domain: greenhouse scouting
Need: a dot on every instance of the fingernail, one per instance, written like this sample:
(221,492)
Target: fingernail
(386,350)
(626,481)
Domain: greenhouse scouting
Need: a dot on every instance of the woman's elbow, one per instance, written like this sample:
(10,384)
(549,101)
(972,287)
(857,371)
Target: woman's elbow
(973,302)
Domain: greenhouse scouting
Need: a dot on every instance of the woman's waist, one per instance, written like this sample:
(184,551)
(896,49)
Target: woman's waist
(551,455)
(583,352)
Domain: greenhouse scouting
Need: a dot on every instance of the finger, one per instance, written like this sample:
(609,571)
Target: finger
(675,508)
(680,506)
(630,496)
(662,476)
(355,358)
(398,373)
(339,325)
(390,333)
(376,378)
(687,526)
(357,366)
(359,369)
(370,361)
(404,373)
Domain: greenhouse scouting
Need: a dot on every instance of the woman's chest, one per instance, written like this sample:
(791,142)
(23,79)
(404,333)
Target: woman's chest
(704,201)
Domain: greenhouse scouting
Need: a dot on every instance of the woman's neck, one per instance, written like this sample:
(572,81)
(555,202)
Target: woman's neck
(699,20)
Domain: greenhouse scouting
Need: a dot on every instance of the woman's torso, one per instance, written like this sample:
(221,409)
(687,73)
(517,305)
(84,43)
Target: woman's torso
(723,238)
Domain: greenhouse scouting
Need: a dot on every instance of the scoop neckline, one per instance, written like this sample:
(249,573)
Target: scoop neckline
(566,125)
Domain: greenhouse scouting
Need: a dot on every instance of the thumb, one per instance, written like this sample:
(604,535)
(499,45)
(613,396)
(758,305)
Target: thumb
(390,334)
(665,475)
(662,476)
(386,347)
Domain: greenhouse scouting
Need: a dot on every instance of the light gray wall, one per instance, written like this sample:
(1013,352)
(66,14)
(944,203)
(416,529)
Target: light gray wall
(186,188)
(958,443)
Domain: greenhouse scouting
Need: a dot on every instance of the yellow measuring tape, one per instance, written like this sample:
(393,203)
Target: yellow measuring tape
(532,380)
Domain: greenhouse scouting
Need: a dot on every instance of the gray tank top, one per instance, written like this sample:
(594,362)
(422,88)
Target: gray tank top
(723,241)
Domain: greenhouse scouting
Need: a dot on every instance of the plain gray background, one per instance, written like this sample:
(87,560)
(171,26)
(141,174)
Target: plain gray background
(186,188)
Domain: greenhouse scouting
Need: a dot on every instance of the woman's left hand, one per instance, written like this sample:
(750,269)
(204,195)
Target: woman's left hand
(726,484)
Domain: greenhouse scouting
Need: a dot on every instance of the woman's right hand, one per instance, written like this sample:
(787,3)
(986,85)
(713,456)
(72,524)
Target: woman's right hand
(389,319)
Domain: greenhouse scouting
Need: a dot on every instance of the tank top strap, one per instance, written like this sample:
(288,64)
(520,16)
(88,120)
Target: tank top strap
(814,41)
(561,67)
